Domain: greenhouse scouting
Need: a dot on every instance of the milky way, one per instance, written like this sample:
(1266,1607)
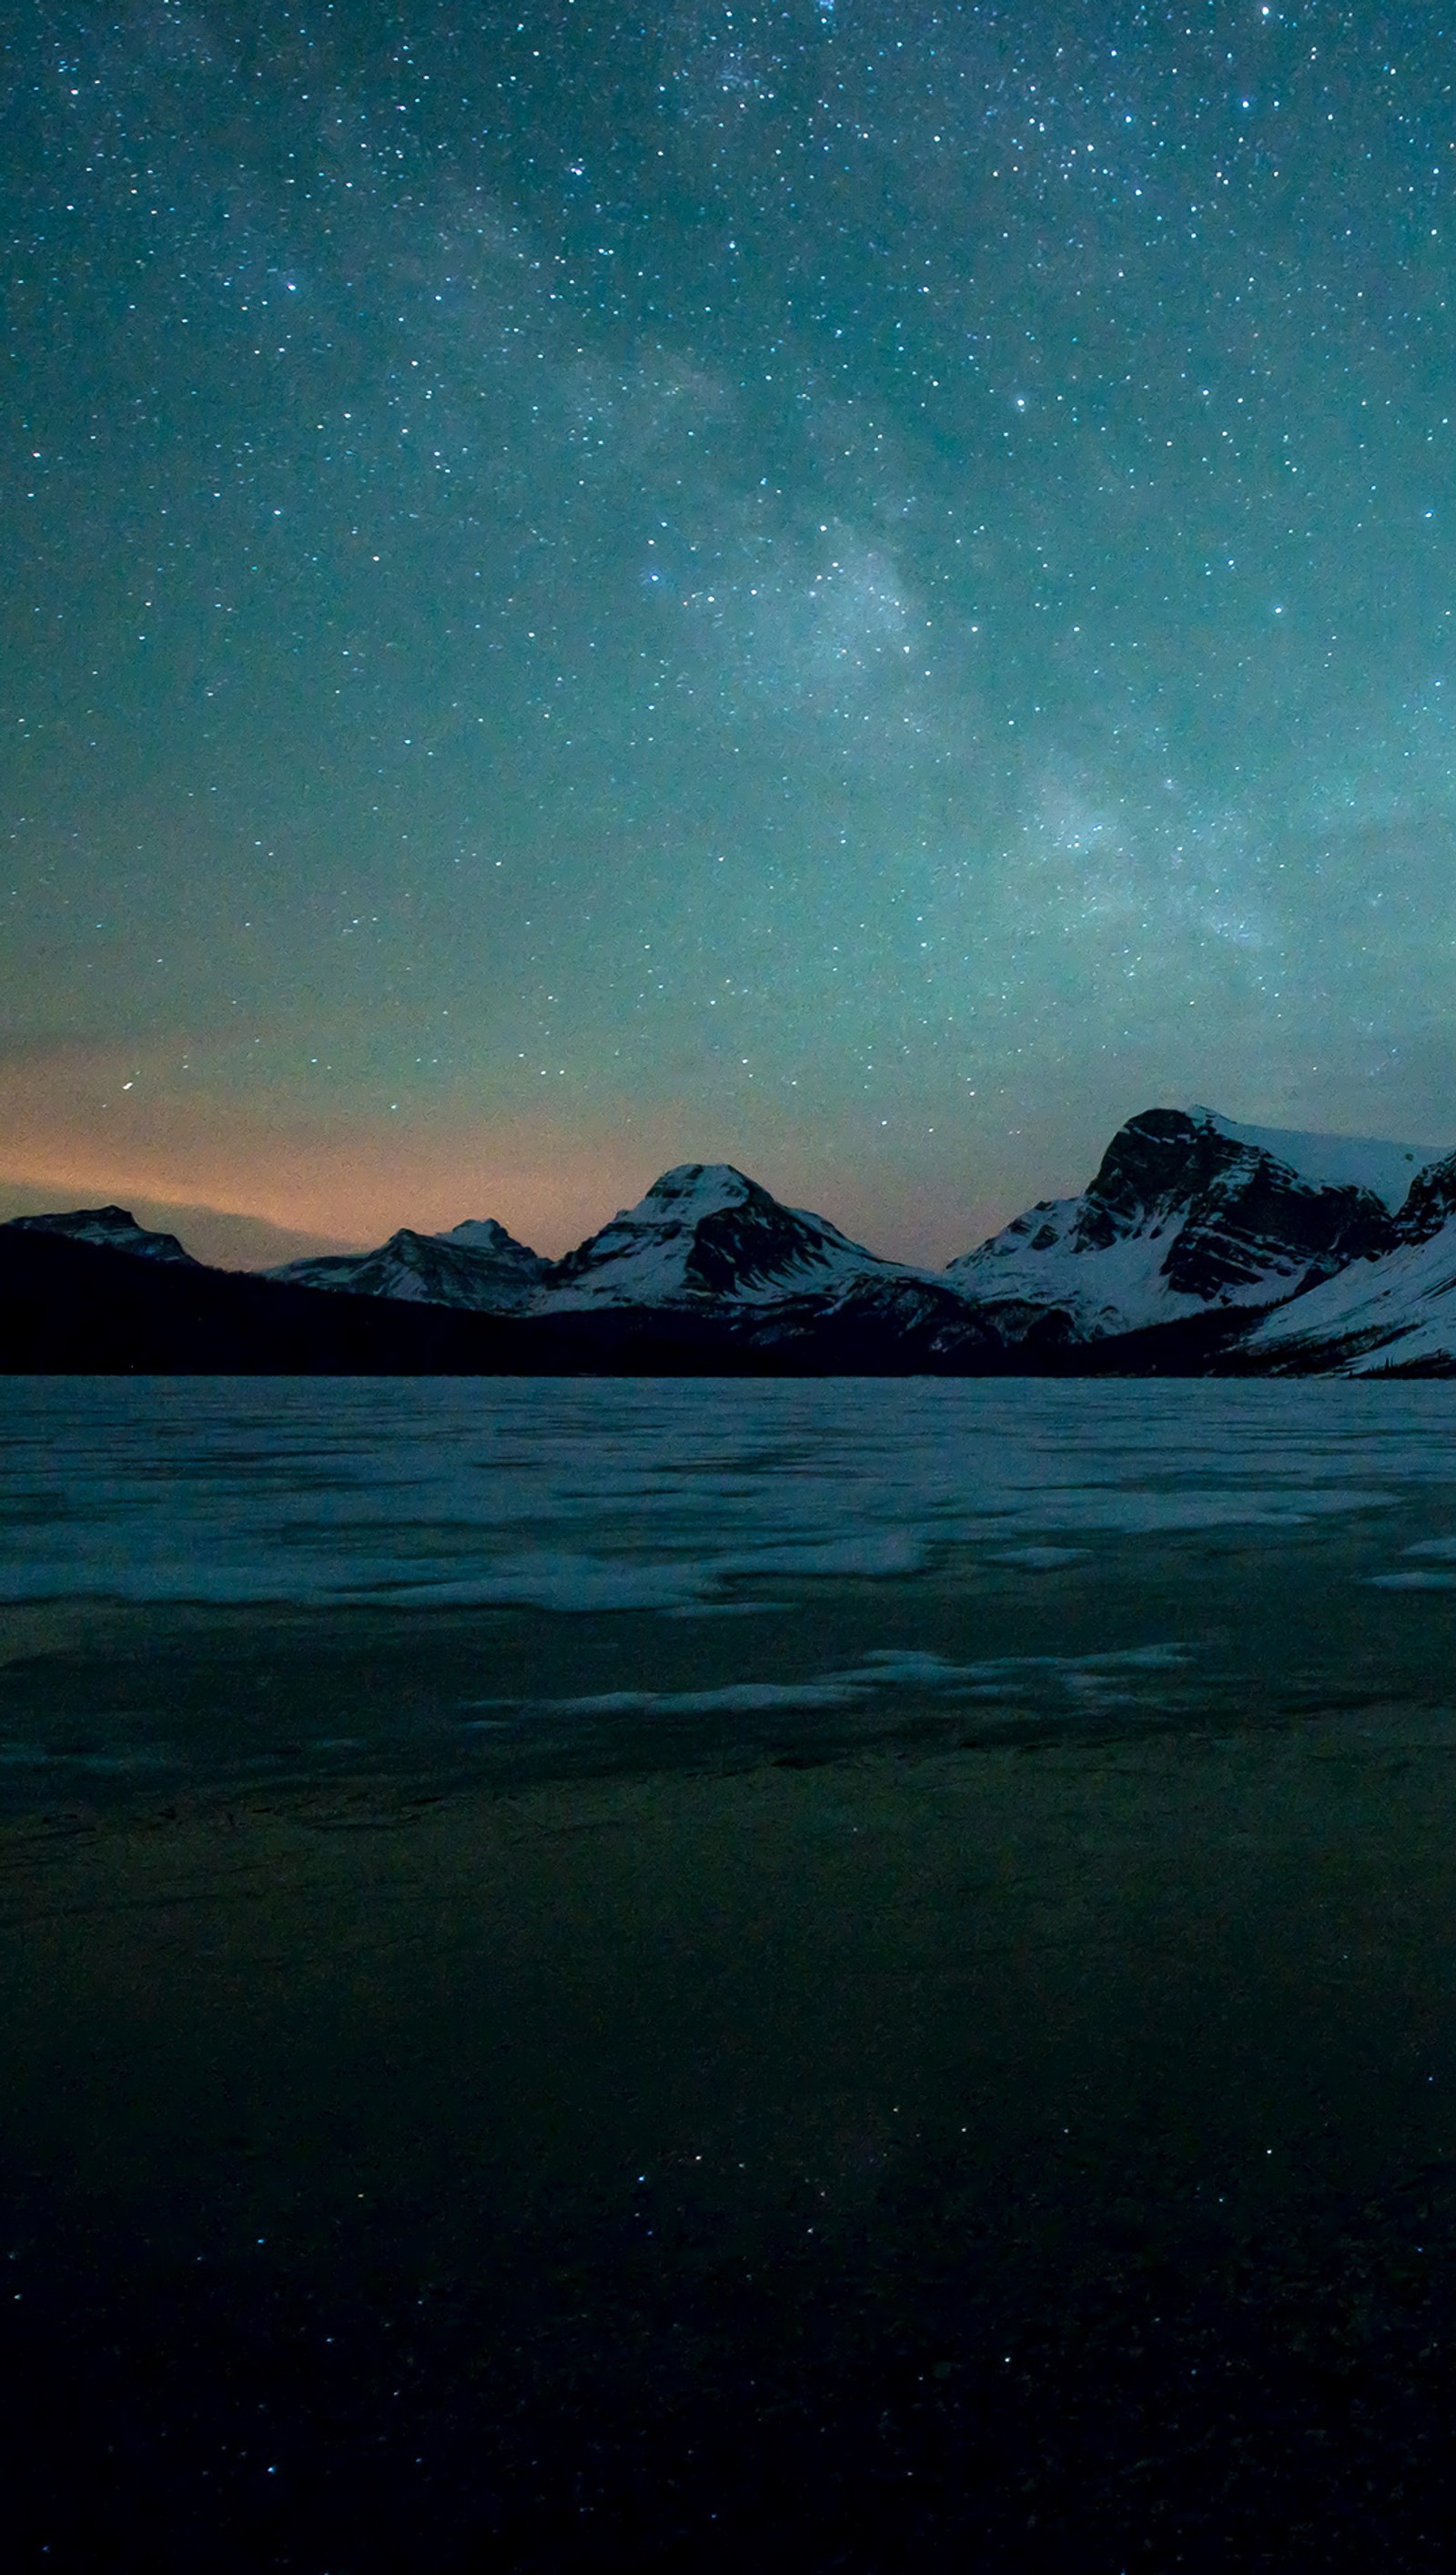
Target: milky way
(862,589)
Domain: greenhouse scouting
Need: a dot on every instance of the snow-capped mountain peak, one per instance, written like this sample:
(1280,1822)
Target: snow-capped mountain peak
(694,1190)
(705,1231)
(1187,1213)
(478,1265)
(114,1228)
(483,1234)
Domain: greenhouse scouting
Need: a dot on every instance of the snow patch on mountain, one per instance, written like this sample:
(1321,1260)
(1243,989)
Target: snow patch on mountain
(1041,1261)
(1370,1162)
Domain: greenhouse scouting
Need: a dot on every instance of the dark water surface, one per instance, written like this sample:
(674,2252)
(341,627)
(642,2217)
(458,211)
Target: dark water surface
(671,1976)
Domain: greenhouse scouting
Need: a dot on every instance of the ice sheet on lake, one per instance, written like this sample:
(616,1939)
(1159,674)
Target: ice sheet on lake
(659,1496)
(1084,1676)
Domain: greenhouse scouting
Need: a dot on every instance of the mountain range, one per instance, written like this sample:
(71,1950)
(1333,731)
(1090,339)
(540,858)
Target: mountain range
(1198,1246)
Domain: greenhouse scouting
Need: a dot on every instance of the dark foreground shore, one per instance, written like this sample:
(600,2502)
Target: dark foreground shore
(1004,2157)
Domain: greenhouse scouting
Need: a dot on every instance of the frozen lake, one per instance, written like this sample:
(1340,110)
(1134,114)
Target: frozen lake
(594,1494)
(596,1551)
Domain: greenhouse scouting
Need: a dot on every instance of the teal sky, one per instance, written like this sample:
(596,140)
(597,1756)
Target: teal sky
(862,589)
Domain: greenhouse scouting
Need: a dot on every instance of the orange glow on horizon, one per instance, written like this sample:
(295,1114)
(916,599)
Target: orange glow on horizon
(357,1187)
(81,1122)
(79,1130)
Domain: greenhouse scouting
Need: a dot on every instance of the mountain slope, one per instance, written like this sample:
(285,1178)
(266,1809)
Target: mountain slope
(1397,1312)
(1394,1312)
(1187,1214)
(478,1265)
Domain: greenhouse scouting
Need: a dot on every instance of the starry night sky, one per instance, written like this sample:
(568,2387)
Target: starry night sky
(863,589)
